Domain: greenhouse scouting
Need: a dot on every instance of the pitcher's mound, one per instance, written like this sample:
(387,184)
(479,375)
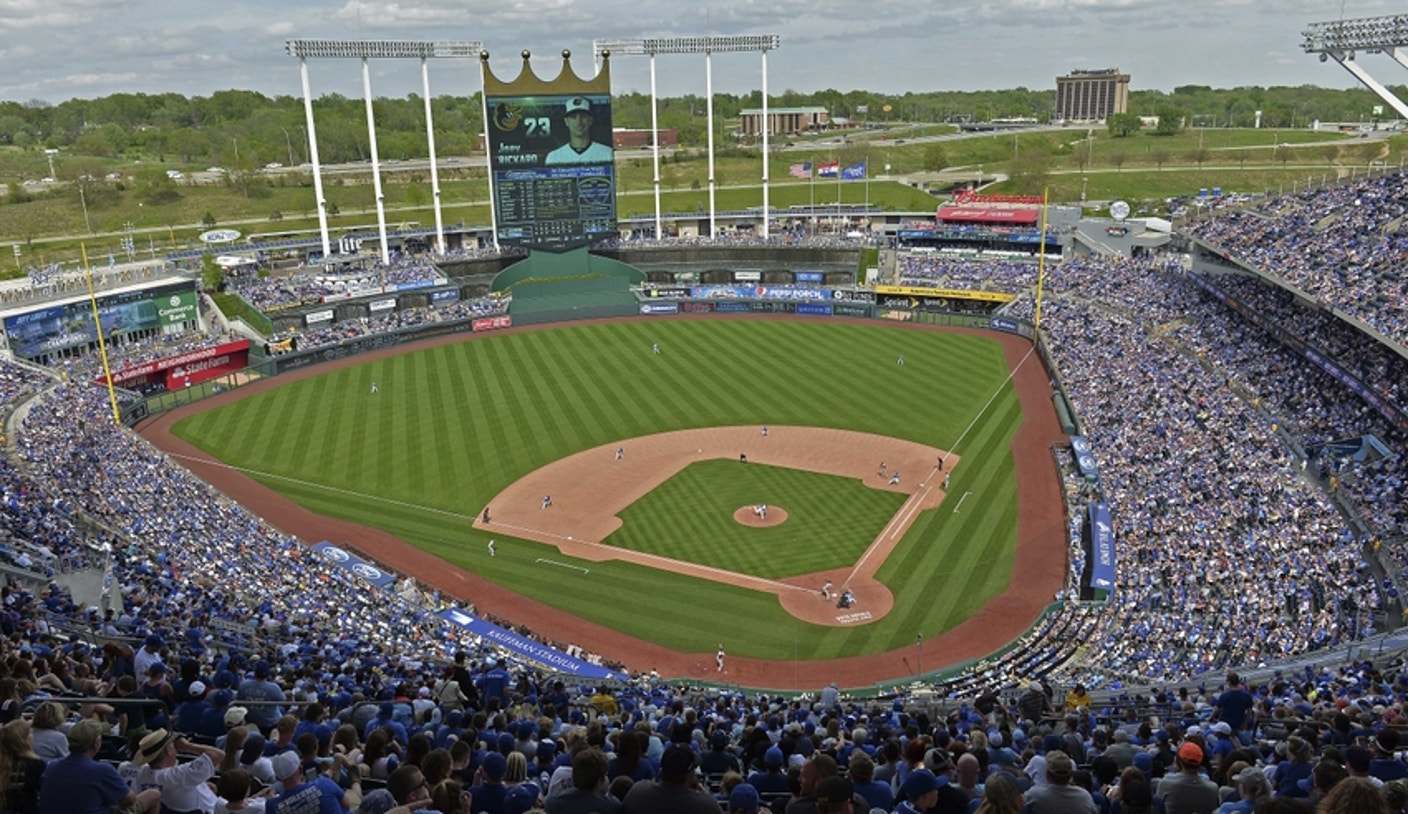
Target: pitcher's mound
(748,516)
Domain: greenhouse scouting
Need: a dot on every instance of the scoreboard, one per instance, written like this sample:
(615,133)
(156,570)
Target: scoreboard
(553,169)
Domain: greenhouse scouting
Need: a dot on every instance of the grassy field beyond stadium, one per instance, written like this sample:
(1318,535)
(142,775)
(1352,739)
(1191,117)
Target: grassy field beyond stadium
(453,425)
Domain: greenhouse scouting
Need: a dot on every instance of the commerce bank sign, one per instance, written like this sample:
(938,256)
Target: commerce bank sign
(177,308)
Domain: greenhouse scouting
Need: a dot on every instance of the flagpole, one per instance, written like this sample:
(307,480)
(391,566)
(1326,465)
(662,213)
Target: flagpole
(811,187)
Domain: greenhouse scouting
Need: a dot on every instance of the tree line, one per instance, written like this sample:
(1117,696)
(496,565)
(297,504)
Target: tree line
(240,127)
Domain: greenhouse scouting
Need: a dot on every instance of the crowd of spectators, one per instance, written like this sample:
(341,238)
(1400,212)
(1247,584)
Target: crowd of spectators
(1231,552)
(1342,245)
(788,237)
(1227,552)
(280,291)
(933,270)
(349,329)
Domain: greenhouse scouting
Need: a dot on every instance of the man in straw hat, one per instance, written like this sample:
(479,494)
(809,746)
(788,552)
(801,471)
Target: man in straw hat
(184,786)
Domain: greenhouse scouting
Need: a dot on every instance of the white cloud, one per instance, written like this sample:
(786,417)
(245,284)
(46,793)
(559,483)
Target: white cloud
(200,46)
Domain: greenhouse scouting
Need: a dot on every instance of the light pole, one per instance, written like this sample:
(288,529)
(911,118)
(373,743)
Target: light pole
(83,199)
(304,50)
(708,46)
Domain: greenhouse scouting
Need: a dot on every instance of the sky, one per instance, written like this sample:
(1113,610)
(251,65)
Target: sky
(54,50)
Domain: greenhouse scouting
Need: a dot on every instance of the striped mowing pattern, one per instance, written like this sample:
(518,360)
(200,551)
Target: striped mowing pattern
(453,425)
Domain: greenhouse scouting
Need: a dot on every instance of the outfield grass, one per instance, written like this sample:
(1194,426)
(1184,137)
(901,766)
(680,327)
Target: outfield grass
(830,519)
(454,425)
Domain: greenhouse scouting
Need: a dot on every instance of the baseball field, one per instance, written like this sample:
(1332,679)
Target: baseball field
(653,550)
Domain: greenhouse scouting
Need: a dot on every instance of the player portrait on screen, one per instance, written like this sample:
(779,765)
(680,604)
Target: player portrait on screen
(580,148)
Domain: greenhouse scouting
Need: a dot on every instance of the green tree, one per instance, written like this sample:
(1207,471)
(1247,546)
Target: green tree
(1122,125)
(1117,160)
(1031,172)
(1082,153)
(212,276)
(1170,122)
(935,157)
(16,193)
(209,220)
(154,187)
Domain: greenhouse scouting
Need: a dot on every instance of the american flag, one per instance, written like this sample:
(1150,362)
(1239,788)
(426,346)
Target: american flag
(803,170)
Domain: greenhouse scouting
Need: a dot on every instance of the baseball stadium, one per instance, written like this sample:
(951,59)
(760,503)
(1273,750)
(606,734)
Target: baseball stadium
(803,467)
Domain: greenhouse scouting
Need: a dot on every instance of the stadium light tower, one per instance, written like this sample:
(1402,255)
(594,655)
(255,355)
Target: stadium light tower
(1341,39)
(305,50)
(706,45)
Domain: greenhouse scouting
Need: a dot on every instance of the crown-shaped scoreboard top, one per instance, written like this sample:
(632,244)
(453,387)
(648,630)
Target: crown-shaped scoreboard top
(529,83)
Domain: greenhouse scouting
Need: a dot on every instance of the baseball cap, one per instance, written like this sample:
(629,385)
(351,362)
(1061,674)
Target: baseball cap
(578,104)
(773,756)
(378,801)
(521,798)
(743,798)
(495,764)
(937,760)
(196,690)
(235,716)
(1190,752)
(286,764)
(919,783)
(1222,728)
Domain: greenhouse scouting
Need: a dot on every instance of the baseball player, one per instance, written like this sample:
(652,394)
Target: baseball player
(719,658)
(826,589)
(655,348)
(491,548)
(547,501)
(946,476)
(900,360)
(765,431)
(895,478)
(375,388)
(620,453)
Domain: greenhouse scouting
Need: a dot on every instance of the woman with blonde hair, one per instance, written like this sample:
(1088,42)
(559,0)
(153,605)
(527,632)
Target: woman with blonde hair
(517,772)
(1000,795)
(20,769)
(49,742)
